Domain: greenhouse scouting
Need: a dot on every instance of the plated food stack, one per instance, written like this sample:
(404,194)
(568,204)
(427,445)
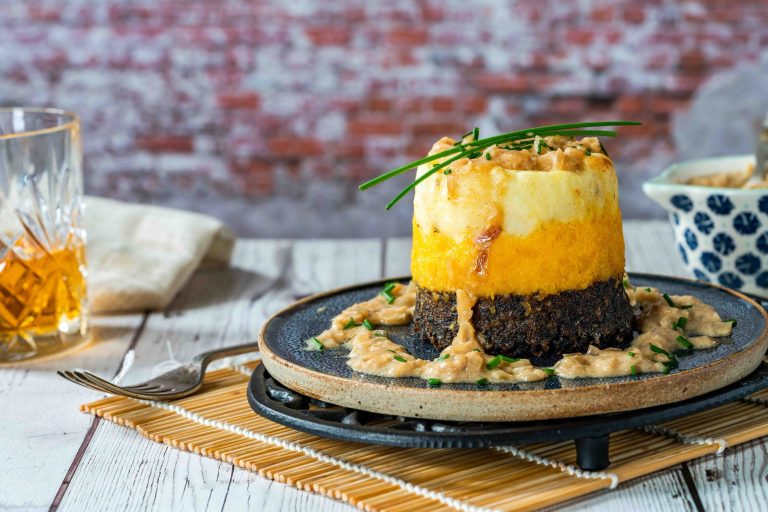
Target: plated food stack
(535,236)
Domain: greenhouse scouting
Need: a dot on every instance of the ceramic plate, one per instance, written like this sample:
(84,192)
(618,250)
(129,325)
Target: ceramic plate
(325,375)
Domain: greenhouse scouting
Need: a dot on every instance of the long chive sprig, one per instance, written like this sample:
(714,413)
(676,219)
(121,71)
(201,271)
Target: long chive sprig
(519,139)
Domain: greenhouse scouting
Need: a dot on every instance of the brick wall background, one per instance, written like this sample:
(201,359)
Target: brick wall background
(268,113)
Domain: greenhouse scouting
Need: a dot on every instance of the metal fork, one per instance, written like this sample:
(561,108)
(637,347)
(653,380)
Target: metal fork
(177,383)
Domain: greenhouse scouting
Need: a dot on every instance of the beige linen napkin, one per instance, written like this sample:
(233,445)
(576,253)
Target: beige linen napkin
(140,255)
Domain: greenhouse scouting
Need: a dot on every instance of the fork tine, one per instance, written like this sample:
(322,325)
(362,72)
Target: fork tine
(65,375)
(98,382)
(114,388)
(70,376)
(146,387)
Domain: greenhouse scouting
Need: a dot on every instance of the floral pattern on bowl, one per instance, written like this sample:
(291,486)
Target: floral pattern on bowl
(721,234)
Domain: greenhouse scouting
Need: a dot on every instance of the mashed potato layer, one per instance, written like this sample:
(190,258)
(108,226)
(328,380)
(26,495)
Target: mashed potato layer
(490,229)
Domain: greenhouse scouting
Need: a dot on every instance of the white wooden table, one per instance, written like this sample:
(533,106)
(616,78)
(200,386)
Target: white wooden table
(54,457)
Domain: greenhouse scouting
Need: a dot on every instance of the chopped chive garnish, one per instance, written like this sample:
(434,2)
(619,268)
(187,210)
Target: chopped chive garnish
(508,359)
(367,324)
(447,172)
(481,382)
(548,371)
(669,300)
(317,343)
(687,306)
(633,370)
(631,354)
(350,324)
(388,296)
(666,369)
(399,358)
(443,357)
(487,156)
(626,284)
(519,139)
(680,324)
(493,362)
(476,133)
(683,341)
(659,350)
(587,152)
(648,289)
(434,382)
(731,321)
(476,350)
(389,287)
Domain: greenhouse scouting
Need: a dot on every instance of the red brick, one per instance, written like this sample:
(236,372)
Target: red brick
(501,83)
(295,147)
(694,59)
(330,35)
(239,100)
(165,143)
(634,14)
(408,36)
(613,36)
(374,127)
(443,104)
(602,13)
(473,104)
(379,104)
(251,167)
(45,15)
(441,128)
(352,147)
(397,59)
(667,105)
(432,13)
(580,37)
(574,106)
(630,104)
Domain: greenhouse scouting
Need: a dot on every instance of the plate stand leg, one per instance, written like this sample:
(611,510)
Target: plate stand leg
(592,453)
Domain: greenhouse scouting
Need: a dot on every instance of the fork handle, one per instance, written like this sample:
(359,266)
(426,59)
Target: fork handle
(233,350)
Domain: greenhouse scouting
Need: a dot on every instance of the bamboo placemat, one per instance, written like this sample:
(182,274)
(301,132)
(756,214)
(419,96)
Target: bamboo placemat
(218,422)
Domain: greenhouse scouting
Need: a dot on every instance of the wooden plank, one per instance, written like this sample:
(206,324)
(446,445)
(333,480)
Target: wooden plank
(218,307)
(249,491)
(397,257)
(325,264)
(665,491)
(42,431)
(735,480)
(650,248)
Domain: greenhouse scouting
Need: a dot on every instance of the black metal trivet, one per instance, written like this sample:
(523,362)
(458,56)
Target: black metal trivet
(590,433)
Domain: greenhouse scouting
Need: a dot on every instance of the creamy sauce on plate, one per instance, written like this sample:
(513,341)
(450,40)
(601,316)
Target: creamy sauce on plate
(666,324)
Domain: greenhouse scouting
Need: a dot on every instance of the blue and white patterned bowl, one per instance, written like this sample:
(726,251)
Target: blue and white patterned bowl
(721,234)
